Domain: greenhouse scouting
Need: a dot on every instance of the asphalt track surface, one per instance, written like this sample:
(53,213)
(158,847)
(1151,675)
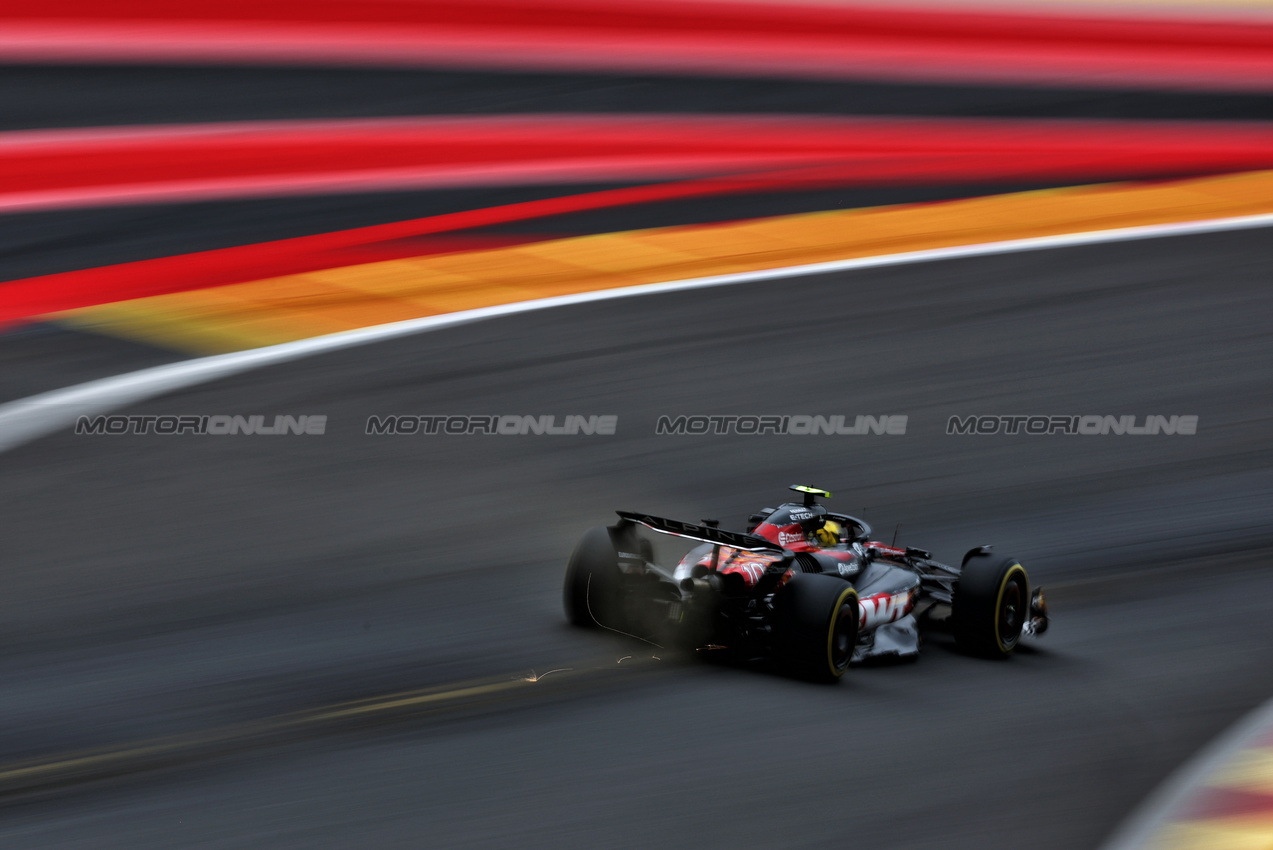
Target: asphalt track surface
(86,95)
(166,586)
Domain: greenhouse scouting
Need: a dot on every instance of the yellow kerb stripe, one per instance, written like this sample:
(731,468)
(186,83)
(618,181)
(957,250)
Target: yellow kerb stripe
(1244,833)
(1250,770)
(281,309)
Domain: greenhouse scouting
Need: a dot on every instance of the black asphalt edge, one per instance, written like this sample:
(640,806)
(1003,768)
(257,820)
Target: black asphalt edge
(46,96)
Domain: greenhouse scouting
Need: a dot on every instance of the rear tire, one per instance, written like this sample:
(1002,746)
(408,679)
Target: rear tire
(990,605)
(816,625)
(591,591)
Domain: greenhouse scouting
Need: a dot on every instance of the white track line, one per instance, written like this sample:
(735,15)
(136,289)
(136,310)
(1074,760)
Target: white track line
(40,415)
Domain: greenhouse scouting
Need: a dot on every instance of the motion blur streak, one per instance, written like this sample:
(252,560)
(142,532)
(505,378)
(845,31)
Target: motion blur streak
(164,587)
(80,167)
(77,167)
(810,39)
(165,598)
(1222,798)
(31,418)
(274,310)
(470,696)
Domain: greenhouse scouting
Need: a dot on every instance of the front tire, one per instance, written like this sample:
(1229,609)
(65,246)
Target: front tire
(816,625)
(990,605)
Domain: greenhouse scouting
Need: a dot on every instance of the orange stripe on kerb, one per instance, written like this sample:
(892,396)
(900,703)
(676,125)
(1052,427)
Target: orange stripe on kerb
(292,307)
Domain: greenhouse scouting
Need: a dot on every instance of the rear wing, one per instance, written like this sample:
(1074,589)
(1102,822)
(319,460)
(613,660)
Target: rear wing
(702,533)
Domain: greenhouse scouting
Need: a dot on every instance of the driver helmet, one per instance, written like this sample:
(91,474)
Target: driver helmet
(829,534)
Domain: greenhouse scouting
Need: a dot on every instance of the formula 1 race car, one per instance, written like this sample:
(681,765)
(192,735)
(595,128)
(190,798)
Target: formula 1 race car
(804,587)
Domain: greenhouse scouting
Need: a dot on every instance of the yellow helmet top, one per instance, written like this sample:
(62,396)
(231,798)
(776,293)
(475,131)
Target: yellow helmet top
(828,534)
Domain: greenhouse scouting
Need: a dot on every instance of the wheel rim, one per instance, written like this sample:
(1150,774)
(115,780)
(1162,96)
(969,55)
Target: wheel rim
(1011,613)
(842,637)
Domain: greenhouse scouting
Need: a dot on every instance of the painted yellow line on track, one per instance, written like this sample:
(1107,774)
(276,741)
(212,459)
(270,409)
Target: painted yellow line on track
(414,701)
(283,309)
(1245,833)
(73,768)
